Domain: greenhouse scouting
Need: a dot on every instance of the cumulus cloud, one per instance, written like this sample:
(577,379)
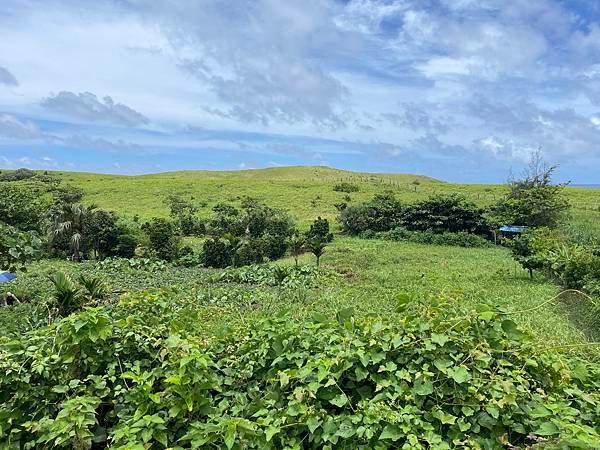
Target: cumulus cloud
(14,128)
(86,106)
(415,117)
(7,78)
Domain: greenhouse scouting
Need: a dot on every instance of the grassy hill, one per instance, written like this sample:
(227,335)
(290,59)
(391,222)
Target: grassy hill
(305,191)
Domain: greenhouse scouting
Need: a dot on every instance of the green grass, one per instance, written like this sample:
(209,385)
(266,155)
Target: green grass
(306,192)
(372,272)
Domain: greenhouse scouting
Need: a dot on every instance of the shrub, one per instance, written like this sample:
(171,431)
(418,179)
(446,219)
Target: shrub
(17,175)
(346,187)
(382,213)
(533,200)
(163,239)
(319,229)
(218,252)
(17,248)
(439,214)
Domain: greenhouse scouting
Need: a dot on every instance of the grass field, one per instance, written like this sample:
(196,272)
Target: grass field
(373,272)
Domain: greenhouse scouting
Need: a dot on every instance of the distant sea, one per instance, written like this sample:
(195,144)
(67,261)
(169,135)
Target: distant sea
(588,186)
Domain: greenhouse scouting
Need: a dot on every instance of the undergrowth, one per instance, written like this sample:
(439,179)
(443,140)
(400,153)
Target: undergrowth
(139,376)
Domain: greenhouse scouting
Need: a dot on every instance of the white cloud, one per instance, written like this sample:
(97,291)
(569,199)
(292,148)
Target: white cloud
(86,106)
(7,78)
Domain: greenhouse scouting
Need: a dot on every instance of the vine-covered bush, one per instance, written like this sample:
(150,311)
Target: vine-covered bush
(136,378)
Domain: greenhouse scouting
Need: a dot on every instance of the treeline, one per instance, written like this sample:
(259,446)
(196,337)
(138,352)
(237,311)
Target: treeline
(47,218)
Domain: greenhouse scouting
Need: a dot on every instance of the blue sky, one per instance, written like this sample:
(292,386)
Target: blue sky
(462,90)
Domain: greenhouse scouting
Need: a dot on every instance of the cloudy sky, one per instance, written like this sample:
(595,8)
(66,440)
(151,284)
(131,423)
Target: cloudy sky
(462,90)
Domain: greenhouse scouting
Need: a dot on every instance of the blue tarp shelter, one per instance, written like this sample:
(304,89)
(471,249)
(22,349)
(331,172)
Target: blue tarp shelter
(513,229)
(6,276)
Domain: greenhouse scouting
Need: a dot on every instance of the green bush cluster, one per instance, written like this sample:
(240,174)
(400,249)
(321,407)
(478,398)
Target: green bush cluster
(572,265)
(459,239)
(346,187)
(438,214)
(137,377)
(246,235)
(271,275)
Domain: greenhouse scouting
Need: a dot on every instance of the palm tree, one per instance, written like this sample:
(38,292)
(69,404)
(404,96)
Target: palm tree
(317,248)
(296,244)
(70,220)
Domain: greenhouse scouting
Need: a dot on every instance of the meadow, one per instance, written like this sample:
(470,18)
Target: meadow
(364,277)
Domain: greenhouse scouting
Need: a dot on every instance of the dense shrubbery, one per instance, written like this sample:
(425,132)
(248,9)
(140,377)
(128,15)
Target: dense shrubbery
(437,214)
(346,187)
(136,378)
(572,265)
(382,213)
(246,236)
(163,238)
(17,248)
(319,229)
(460,239)
(269,275)
(183,214)
(17,175)
(533,200)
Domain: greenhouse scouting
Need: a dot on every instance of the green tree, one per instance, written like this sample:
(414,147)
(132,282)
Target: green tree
(296,244)
(317,248)
(71,222)
(533,200)
(163,238)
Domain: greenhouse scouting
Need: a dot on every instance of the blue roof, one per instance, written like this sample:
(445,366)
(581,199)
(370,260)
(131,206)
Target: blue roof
(513,228)
(6,276)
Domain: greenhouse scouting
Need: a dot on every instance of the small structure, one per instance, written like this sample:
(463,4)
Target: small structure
(7,276)
(513,230)
(510,231)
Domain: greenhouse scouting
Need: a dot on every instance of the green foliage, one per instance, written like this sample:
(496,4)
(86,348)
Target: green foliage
(439,214)
(460,239)
(17,248)
(271,275)
(382,213)
(25,205)
(319,229)
(533,200)
(108,237)
(346,187)
(94,288)
(183,213)
(70,226)
(296,245)
(246,236)
(164,241)
(17,175)
(135,378)
(67,295)
(218,252)
(317,248)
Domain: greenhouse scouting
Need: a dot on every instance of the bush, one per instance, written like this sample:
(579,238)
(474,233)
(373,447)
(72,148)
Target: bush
(17,175)
(319,229)
(533,200)
(163,239)
(218,252)
(346,187)
(382,213)
(125,379)
(441,214)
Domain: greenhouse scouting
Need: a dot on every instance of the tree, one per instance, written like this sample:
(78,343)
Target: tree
(296,245)
(439,214)
(163,239)
(108,237)
(317,248)
(382,213)
(71,222)
(183,214)
(25,205)
(319,229)
(533,200)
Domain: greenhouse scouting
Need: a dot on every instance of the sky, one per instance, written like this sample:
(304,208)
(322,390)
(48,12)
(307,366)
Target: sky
(461,90)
